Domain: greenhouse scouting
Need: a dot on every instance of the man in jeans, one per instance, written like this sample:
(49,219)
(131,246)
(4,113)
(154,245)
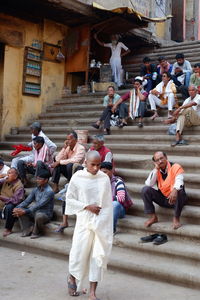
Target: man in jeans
(119,194)
(32,218)
(109,100)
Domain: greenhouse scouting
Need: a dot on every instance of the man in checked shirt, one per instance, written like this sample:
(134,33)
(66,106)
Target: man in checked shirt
(170,191)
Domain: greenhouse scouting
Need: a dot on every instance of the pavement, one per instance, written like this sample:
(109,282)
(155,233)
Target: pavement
(31,276)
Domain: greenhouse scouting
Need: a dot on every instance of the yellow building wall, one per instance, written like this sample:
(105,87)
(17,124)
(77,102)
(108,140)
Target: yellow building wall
(18,108)
(160,30)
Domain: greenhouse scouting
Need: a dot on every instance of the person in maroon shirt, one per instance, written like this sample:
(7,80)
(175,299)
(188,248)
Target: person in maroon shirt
(137,106)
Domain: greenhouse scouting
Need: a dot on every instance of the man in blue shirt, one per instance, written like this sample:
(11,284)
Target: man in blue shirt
(32,218)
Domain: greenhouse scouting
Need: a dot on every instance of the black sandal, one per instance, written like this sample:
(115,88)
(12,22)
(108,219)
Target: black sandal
(72,287)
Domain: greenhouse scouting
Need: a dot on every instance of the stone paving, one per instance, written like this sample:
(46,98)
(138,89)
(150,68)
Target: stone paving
(26,276)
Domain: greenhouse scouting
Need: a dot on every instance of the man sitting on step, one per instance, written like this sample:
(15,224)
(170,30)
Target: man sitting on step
(98,145)
(163,95)
(120,196)
(36,130)
(71,153)
(32,218)
(109,100)
(42,160)
(188,114)
(11,194)
(170,193)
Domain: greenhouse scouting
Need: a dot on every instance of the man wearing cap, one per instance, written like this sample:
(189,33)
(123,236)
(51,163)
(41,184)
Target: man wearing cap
(12,193)
(36,131)
(3,170)
(42,160)
(33,218)
(72,152)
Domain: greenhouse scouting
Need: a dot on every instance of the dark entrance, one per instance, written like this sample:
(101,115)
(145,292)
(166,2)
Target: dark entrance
(2,49)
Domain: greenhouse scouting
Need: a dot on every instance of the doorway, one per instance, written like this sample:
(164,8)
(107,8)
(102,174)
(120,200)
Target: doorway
(2,50)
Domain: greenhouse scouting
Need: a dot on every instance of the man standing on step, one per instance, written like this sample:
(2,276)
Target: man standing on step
(32,218)
(170,191)
(89,197)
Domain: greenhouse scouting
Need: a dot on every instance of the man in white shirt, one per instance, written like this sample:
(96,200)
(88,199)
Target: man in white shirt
(115,60)
(36,130)
(3,170)
(187,115)
(170,191)
(183,65)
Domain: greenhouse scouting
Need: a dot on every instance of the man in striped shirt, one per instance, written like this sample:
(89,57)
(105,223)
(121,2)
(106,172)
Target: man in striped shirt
(119,194)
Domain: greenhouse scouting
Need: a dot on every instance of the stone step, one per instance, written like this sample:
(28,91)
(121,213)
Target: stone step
(71,115)
(135,192)
(144,148)
(190,213)
(74,108)
(144,161)
(140,137)
(139,176)
(152,263)
(116,132)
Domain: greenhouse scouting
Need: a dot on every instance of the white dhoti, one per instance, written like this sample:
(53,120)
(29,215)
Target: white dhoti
(154,100)
(93,234)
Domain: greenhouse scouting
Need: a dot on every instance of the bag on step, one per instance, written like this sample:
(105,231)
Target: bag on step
(172,129)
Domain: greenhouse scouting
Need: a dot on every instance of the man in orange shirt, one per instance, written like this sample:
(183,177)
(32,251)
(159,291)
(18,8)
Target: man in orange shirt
(171,194)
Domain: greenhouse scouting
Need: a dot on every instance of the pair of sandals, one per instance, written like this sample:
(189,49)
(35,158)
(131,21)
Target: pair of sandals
(156,238)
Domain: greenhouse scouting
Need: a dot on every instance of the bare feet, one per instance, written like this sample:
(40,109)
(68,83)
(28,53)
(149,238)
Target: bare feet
(155,115)
(93,298)
(169,121)
(152,220)
(7,232)
(176,223)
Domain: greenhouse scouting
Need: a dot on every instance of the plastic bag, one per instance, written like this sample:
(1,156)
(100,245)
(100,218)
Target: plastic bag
(172,129)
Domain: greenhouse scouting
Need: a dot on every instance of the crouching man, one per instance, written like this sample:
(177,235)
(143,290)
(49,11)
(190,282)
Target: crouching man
(33,218)
(170,194)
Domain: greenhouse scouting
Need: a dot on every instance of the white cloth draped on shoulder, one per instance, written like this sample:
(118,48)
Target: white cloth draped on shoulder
(93,234)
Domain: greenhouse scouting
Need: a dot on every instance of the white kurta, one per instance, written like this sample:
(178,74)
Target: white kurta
(115,61)
(93,234)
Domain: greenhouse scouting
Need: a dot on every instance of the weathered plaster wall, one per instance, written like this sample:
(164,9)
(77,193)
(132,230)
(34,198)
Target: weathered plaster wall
(18,108)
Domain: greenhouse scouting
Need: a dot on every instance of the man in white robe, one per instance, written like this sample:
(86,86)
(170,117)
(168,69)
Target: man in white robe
(89,196)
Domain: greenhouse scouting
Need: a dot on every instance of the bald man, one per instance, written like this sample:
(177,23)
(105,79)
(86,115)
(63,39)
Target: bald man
(89,196)
(170,191)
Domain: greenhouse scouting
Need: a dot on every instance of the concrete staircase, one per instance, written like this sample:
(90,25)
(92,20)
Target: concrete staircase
(178,260)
